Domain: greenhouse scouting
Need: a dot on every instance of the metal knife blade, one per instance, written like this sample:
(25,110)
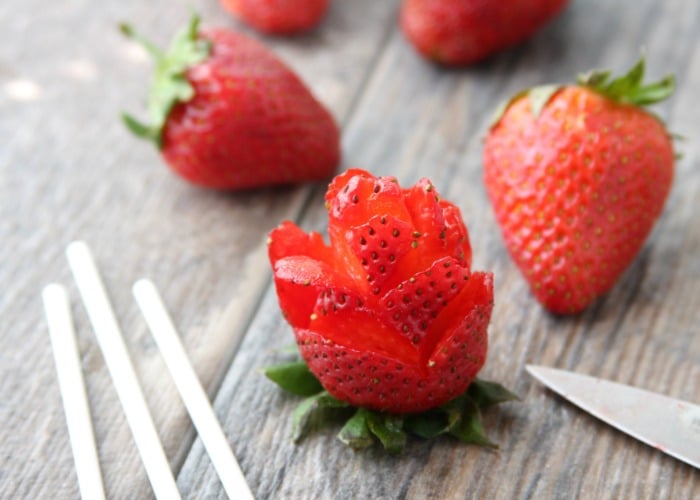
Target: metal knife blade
(669,425)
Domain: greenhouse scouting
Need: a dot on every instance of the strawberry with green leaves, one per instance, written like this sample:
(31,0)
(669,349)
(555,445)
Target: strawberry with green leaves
(389,317)
(457,32)
(278,17)
(226,113)
(577,175)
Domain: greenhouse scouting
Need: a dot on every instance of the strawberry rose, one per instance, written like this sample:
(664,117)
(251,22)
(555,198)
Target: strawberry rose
(389,316)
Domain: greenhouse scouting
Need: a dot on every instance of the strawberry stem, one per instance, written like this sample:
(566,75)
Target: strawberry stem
(626,89)
(170,85)
(128,31)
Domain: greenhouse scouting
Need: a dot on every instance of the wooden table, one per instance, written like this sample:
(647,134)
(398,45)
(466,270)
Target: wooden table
(69,170)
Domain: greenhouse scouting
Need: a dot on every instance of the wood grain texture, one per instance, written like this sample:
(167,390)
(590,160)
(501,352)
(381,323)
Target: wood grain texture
(645,332)
(69,170)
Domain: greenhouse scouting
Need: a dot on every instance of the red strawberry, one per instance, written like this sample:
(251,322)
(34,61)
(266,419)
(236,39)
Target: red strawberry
(465,31)
(577,176)
(278,16)
(227,114)
(389,316)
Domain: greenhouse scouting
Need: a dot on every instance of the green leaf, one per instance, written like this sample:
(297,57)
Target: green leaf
(355,433)
(624,87)
(678,137)
(635,75)
(455,410)
(138,128)
(460,417)
(427,425)
(503,107)
(388,429)
(486,394)
(128,31)
(540,96)
(629,88)
(294,377)
(594,78)
(170,85)
(470,428)
(655,92)
(442,420)
(303,418)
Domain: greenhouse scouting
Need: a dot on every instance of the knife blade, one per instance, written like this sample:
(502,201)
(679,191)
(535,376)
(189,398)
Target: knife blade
(667,424)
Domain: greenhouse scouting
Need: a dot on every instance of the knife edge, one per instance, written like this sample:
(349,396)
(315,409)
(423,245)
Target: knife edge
(634,411)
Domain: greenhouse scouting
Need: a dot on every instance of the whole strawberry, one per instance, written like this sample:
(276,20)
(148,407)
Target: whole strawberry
(279,17)
(227,114)
(577,175)
(456,32)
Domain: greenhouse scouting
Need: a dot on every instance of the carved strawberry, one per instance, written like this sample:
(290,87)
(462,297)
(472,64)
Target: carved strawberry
(577,176)
(389,316)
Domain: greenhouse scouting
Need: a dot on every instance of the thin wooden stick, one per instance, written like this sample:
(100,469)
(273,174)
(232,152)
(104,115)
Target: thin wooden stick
(111,342)
(72,387)
(193,395)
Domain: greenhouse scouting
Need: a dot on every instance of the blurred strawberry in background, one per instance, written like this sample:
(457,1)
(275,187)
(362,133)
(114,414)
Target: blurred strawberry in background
(226,113)
(458,32)
(278,17)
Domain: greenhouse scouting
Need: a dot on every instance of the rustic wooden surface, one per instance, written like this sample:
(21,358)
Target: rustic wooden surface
(69,170)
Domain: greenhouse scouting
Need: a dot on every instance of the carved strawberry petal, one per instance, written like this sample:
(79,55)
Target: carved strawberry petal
(414,304)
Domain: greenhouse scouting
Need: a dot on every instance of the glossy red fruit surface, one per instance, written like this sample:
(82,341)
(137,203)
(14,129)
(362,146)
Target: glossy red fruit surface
(251,121)
(576,190)
(458,32)
(389,316)
(226,113)
(280,17)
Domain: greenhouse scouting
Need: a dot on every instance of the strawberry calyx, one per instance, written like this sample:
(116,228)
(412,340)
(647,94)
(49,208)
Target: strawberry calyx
(460,417)
(170,85)
(626,89)
(629,88)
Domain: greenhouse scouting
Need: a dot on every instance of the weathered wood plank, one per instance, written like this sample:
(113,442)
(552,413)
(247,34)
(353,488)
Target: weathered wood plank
(69,170)
(645,332)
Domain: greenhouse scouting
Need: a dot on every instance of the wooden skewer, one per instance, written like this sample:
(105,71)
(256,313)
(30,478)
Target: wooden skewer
(191,391)
(72,387)
(111,342)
